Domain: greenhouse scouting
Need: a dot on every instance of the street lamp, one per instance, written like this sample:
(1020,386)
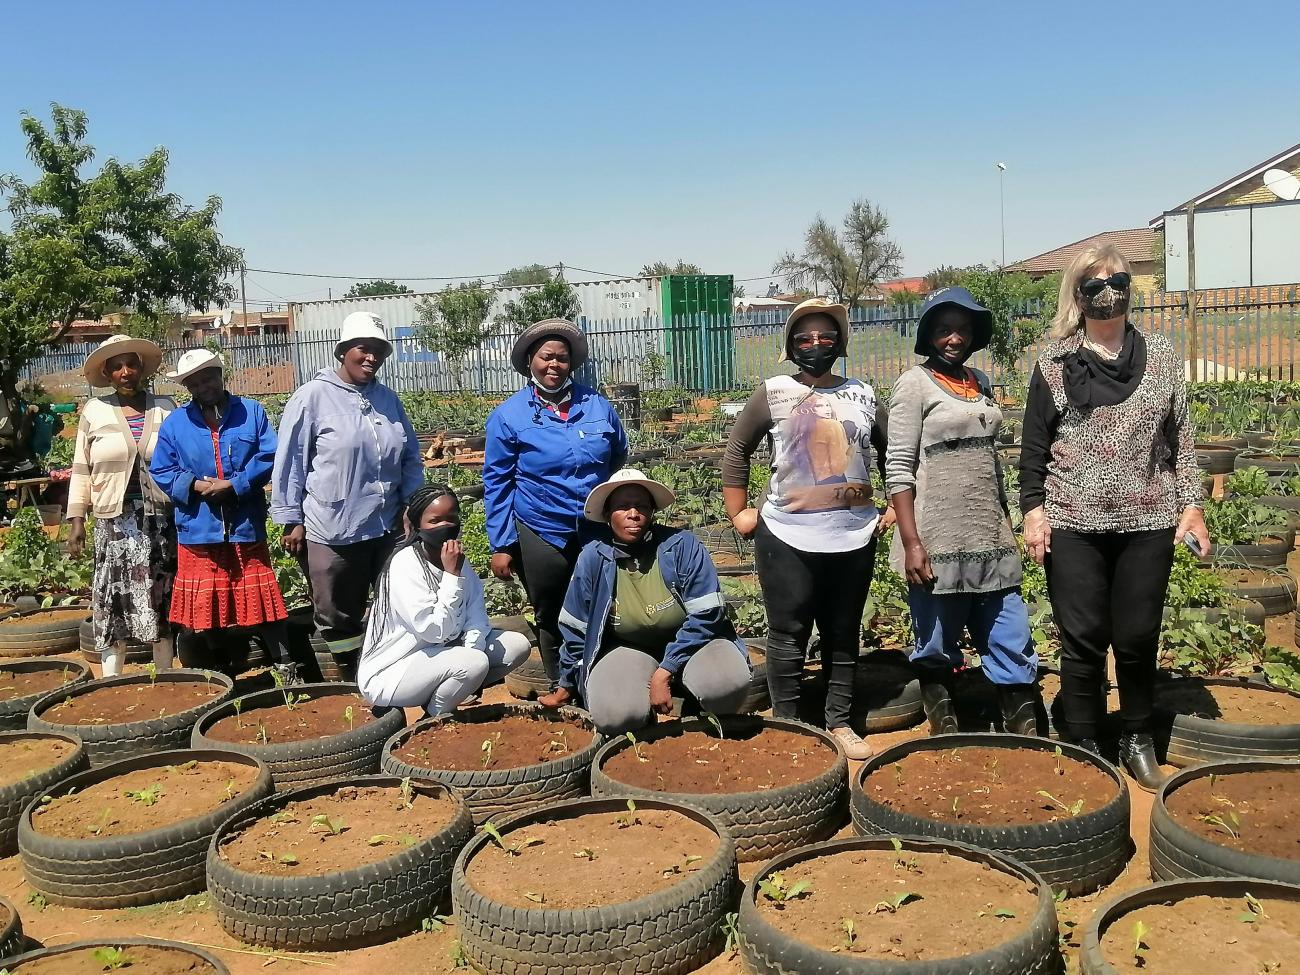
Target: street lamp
(1002,206)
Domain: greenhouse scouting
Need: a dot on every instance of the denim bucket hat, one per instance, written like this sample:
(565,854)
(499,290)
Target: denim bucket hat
(981,319)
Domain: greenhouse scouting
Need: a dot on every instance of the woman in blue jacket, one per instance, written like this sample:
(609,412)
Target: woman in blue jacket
(645,615)
(548,445)
(213,459)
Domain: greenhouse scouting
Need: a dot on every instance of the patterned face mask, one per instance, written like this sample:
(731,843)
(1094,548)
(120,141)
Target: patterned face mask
(1107,303)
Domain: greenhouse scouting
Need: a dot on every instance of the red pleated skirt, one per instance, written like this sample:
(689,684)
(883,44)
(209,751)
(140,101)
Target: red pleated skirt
(225,584)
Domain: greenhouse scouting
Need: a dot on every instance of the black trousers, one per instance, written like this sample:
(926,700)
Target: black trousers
(802,588)
(340,578)
(1108,590)
(545,572)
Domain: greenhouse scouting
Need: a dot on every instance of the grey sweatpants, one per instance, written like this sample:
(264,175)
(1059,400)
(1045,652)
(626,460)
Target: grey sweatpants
(618,688)
(340,577)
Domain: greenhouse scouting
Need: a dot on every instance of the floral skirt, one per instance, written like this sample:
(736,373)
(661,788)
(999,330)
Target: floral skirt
(135,561)
(226,584)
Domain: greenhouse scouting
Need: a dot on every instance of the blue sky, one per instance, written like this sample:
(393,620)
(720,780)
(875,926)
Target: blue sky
(456,139)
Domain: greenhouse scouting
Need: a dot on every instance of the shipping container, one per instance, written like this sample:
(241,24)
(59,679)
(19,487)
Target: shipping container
(698,340)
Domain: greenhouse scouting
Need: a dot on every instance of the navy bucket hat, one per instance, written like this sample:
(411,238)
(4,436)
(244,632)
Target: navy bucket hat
(981,319)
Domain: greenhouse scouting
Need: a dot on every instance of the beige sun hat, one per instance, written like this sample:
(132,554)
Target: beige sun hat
(358,327)
(815,306)
(594,510)
(195,360)
(559,328)
(149,353)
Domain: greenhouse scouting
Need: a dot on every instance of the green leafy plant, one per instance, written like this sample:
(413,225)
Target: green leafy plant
(37,900)
(731,926)
(288,859)
(408,792)
(182,768)
(151,669)
(776,888)
(683,867)
(850,931)
(1073,809)
(636,746)
(230,790)
(892,904)
(714,722)
(324,823)
(112,958)
(586,853)
(457,955)
(486,749)
(1222,825)
(630,817)
(99,825)
(434,923)
(1242,521)
(1140,946)
(1248,482)
(146,797)
(1254,910)
(514,849)
(349,716)
(1058,757)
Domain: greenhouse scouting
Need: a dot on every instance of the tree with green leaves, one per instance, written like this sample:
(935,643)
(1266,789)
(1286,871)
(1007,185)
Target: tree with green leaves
(453,322)
(943,276)
(660,269)
(521,277)
(1004,295)
(848,262)
(555,299)
(79,245)
(376,289)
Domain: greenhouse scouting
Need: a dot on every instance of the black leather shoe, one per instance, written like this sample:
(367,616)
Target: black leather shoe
(1138,753)
(1019,709)
(1089,744)
(937,700)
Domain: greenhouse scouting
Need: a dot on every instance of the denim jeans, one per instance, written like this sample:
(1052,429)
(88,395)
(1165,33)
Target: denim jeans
(999,627)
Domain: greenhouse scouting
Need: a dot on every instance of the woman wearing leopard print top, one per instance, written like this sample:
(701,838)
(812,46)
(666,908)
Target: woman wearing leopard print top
(1108,482)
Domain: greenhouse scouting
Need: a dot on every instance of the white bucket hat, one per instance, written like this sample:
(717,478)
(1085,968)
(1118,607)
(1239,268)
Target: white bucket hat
(815,306)
(362,325)
(195,360)
(594,510)
(149,353)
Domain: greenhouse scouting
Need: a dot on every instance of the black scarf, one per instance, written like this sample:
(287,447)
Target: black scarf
(1091,380)
(642,553)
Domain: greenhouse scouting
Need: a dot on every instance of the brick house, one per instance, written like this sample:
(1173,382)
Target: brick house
(1138,245)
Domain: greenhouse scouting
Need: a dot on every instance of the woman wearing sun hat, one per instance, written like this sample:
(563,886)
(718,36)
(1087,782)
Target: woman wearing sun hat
(135,540)
(347,463)
(548,445)
(644,615)
(954,542)
(213,460)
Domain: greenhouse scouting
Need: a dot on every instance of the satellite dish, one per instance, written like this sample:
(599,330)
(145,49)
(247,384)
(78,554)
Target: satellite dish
(1282,184)
(227,315)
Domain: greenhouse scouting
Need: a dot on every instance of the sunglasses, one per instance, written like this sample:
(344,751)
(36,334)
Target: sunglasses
(1092,287)
(806,340)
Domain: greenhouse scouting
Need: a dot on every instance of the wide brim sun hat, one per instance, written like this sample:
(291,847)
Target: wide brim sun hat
(981,333)
(551,328)
(815,306)
(361,326)
(195,360)
(594,510)
(149,353)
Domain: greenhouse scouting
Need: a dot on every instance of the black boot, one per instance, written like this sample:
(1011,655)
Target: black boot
(1089,744)
(936,696)
(1019,708)
(1138,753)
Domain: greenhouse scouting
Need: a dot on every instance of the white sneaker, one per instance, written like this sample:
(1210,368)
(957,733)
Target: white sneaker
(853,745)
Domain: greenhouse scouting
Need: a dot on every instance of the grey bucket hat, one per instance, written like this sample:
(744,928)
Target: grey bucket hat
(550,328)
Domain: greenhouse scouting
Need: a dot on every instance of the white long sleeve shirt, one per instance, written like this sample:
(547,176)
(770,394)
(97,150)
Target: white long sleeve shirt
(422,618)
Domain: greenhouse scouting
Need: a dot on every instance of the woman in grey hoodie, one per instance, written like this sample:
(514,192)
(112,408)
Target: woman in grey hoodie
(348,461)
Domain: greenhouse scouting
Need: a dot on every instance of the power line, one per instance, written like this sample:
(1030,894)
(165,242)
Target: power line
(380,277)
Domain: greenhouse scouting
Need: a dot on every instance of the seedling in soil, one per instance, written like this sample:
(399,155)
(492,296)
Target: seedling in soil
(348,716)
(898,776)
(112,958)
(731,925)
(99,825)
(261,733)
(630,817)
(586,853)
(1254,911)
(892,905)
(37,900)
(183,767)
(1219,823)
(408,793)
(379,839)
(326,824)
(992,769)
(230,790)
(636,746)
(434,923)
(238,705)
(1060,896)
(486,748)
(902,863)
(514,849)
(207,677)
(1073,808)
(850,931)
(712,719)
(956,802)
(151,669)
(535,897)
(683,867)
(559,745)
(288,859)
(283,817)
(457,955)
(1140,947)
(147,796)
(775,888)
(1001,912)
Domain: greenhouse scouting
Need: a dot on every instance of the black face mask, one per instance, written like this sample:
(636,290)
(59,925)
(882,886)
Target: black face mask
(435,537)
(816,360)
(1106,304)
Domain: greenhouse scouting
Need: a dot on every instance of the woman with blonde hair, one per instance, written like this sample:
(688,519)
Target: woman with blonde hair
(1108,485)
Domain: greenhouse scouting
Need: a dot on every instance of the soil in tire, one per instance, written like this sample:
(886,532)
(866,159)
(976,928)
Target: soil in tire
(15,683)
(1219,702)
(1224,935)
(298,720)
(700,763)
(130,959)
(516,741)
(348,828)
(46,616)
(143,800)
(896,905)
(981,786)
(128,703)
(1248,811)
(593,860)
(21,758)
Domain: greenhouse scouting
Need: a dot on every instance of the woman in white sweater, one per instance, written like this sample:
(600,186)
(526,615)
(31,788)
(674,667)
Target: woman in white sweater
(428,643)
(135,539)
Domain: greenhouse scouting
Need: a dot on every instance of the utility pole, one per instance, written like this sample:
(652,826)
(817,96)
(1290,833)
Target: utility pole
(1002,208)
(1192,349)
(243,291)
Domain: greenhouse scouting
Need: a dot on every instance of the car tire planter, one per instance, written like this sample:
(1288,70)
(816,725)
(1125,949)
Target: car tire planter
(350,908)
(25,634)
(529,679)
(13,712)
(765,822)
(17,796)
(136,652)
(11,933)
(113,742)
(769,951)
(1216,458)
(492,793)
(1243,609)
(1091,959)
(1193,740)
(1277,594)
(1267,552)
(1079,854)
(1178,854)
(758,698)
(211,965)
(139,868)
(297,764)
(669,932)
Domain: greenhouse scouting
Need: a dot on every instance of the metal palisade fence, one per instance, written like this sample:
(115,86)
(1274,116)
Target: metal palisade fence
(1235,337)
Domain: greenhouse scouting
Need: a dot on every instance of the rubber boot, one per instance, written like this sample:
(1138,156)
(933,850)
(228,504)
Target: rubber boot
(111,659)
(1138,753)
(1019,709)
(936,697)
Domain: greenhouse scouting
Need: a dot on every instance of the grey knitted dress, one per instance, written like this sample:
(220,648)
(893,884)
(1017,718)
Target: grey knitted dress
(944,448)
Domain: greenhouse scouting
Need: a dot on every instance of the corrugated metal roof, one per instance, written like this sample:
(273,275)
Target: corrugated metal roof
(1135,244)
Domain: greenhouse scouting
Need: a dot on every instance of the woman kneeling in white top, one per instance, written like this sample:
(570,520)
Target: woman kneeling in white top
(428,643)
